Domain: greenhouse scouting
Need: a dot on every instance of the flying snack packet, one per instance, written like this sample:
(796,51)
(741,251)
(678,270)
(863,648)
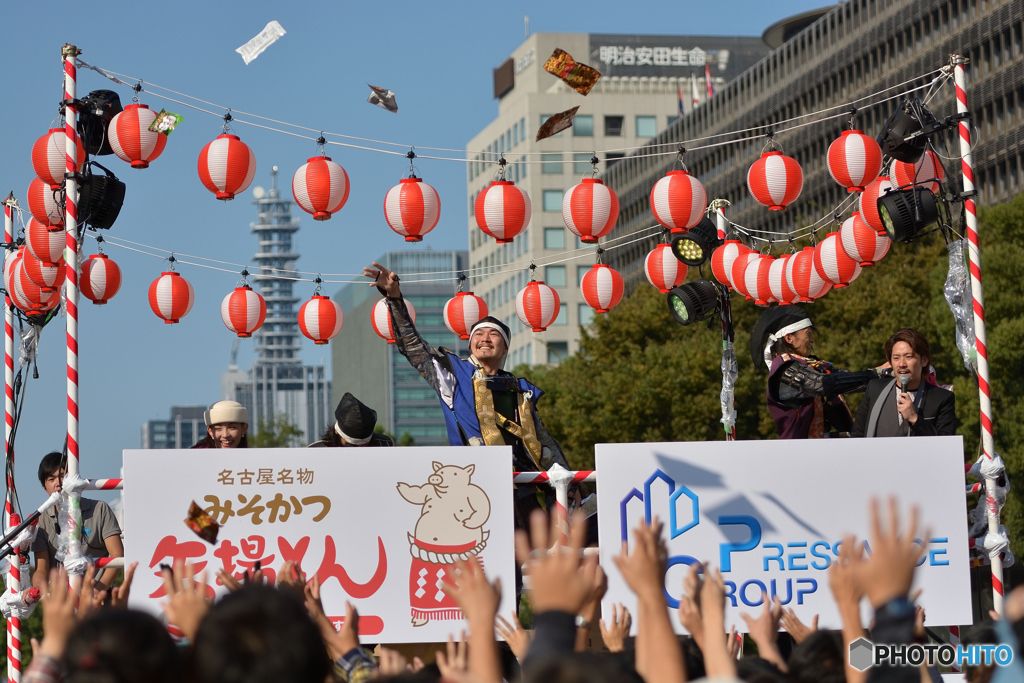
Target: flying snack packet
(267,37)
(556,123)
(577,76)
(165,122)
(383,98)
(204,526)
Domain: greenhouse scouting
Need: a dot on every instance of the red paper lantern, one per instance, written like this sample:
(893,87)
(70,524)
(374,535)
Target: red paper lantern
(869,203)
(778,284)
(43,205)
(171,297)
(755,279)
(100,279)
(602,288)
(463,311)
(132,140)
(678,201)
(861,242)
(380,319)
(854,159)
(833,263)
(243,311)
(590,210)
(412,208)
(47,276)
(663,269)
(43,243)
(320,186)
(924,169)
(722,259)
(320,319)
(537,305)
(803,278)
(27,295)
(775,180)
(502,210)
(226,166)
(738,274)
(9,265)
(49,159)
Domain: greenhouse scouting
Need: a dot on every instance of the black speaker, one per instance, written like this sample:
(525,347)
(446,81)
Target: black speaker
(95,111)
(100,197)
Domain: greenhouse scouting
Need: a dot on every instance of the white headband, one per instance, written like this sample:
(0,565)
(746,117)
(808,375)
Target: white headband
(776,336)
(493,326)
(351,439)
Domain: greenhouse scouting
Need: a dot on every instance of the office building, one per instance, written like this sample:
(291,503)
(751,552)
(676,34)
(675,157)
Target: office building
(826,60)
(373,371)
(183,428)
(647,80)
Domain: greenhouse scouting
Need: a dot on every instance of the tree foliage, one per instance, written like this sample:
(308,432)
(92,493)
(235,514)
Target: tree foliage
(639,376)
(276,433)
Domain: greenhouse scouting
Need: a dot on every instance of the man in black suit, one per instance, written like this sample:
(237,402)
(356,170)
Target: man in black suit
(906,404)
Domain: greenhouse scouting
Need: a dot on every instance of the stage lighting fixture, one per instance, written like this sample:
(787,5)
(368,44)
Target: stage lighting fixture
(100,197)
(905,213)
(95,111)
(693,302)
(905,134)
(694,246)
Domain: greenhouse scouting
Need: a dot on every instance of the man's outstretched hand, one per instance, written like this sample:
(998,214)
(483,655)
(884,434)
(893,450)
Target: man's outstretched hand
(383,279)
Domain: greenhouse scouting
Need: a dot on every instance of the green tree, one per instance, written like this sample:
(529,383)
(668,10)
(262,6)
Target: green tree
(407,440)
(276,433)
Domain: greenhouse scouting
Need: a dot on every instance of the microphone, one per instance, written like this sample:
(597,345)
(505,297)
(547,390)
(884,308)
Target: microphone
(904,381)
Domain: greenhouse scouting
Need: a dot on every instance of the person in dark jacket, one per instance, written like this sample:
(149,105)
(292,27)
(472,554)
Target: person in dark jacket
(353,426)
(906,404)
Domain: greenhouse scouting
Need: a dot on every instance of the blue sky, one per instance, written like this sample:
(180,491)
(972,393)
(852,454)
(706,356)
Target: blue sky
(437,57)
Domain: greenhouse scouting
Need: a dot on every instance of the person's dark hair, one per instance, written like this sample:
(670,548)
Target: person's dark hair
(979,634)
(331,438)
(912,337)
(51,462)
(580,667)
(208,442)
(121,646)
(819,659)
(259,634)
(759,670)
(693,657)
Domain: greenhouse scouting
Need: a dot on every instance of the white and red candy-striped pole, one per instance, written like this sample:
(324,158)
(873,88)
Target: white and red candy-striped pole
(974,253)
(10,518)
(558,478)
(103,485)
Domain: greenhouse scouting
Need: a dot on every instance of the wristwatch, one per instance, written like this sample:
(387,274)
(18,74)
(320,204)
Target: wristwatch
(582,622)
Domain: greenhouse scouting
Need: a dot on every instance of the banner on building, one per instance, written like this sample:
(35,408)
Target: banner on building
(771,515)
(382,528)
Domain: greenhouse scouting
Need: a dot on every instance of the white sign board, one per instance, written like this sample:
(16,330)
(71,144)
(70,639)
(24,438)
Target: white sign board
(381,527)
(771,515)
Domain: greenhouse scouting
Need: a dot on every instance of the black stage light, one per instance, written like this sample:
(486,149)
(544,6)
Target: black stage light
(693,302)
(905,213)
(694,246)
(100,197)
(905,134)
(95,112)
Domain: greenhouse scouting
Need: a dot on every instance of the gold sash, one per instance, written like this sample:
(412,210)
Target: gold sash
(492,422)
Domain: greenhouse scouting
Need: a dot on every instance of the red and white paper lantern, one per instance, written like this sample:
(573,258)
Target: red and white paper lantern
(171,297)
(854,159)
(803,278)
(678,201)
(537,305)
(833,263)
(738,274)
(48,157)
(132,140)
(320,319)
(47,276)
(320,186)
(502,210)
(778,285)
(43,205)
(412,208)
(775,180)
(462,311)
(755,279)
(663,269)
(380,318)
(100,279)
(9,266)
(722,259)
(243,311)
(45,244)
(924,169)
(602,288)
(590,210)
(27,295)
(869,203)
(861,242)
(226,166)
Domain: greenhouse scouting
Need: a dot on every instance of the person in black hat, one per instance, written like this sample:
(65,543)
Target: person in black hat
(805,393)
(353,426)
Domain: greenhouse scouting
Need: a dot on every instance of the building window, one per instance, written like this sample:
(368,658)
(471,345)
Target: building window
(580,272)
(586,314)
(552,200)
(554,238)
(583,126)
(551,163)
(555,276)
(646,126)
(613,126)
(563,315)
(545,117)
(557,352)
(581,163)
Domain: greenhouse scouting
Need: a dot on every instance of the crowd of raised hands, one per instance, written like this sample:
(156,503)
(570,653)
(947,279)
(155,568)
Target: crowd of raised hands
(259,632)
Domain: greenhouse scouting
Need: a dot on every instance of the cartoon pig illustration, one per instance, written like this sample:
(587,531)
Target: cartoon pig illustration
(450,528)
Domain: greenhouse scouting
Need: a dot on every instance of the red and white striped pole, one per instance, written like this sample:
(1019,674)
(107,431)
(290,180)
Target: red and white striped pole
(10,518)
(974,253)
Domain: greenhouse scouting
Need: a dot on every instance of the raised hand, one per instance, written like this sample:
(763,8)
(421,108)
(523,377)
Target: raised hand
(59,618)
(384,279)
(764,630)
(889,572)
(559,580)
(477,597)
(119,594)
(515,635)
(644,567)
(689,605)
(796,628)
(186,603)
(615,635)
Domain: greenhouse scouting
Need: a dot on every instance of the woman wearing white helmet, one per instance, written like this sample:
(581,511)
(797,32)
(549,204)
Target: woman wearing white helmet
(227,423)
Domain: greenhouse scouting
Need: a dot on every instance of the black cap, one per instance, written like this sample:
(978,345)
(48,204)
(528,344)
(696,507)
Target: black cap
(354,418)
(770,322)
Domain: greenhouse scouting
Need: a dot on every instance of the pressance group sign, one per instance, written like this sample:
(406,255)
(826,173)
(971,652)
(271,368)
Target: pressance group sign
(382,528)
